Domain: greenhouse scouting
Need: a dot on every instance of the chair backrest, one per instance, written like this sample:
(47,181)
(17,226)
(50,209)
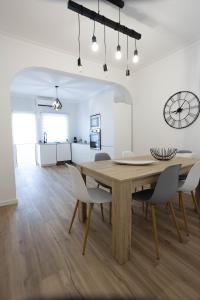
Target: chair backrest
(127,153)
(193,178)
(184,151)
(166,186)
(102,156)
(79,188)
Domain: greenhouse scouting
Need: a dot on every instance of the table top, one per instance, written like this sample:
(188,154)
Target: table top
(108,169)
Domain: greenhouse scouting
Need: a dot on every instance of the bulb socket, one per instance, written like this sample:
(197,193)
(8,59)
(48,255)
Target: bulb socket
(128,72)
(118,48)
(79,62)
(135,52)
(105,68)
(94,39)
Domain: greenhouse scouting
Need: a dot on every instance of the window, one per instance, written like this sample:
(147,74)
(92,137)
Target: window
(24,128)
(56,127)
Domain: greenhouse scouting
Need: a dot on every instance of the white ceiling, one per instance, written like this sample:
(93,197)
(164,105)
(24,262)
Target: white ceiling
(165,25)
(41,82)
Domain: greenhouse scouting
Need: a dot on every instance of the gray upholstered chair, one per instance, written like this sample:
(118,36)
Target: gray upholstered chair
(100,157)
(165,189)
(90,196)
(188,186)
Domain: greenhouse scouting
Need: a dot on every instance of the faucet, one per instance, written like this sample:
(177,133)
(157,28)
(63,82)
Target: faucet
(45,138)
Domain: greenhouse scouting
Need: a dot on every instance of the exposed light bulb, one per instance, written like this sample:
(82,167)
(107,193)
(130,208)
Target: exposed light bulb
(95,46)
(135,57)
(118,53)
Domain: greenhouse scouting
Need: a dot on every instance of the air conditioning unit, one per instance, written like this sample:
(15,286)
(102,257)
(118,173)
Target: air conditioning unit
(44,101)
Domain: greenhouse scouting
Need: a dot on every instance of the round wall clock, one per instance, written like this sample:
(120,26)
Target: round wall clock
(181,109)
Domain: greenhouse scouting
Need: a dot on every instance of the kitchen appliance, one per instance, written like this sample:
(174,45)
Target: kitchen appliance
(95,139)
(95,132)
(95,121)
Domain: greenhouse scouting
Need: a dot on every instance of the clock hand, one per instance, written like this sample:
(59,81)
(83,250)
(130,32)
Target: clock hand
(182,104)
(180,109)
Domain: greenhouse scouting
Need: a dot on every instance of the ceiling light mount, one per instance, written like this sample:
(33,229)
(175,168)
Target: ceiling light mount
(118,3)
(82,10)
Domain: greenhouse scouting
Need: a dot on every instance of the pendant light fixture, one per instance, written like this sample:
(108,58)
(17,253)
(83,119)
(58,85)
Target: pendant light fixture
(127,57)
(57,104)
(96,17)
(118,53)
(135,55)
(95,46)
(105,67)
(79,43)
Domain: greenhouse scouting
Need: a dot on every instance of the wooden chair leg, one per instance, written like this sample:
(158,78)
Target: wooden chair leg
(179,200)
(143,207)
(196,208)
(175,221)
(110,212)
(102,214)
(146,211)
(184,213)
(155,231)
(87,227)
(74,214)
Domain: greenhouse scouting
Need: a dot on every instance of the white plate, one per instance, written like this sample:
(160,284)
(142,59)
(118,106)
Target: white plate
(135,162)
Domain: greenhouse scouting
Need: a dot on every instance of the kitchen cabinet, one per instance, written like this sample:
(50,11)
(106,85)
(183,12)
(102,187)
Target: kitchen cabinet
(80,153)
(46,154)
(50,154)
(63,152)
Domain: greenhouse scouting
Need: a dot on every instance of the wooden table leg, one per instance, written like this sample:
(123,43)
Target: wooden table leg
(121,220)
(82,208)
(197,194)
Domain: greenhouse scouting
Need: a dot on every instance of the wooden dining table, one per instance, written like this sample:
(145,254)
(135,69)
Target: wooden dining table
(123,179)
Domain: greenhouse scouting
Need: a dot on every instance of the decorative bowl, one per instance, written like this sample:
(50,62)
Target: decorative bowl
(163,153)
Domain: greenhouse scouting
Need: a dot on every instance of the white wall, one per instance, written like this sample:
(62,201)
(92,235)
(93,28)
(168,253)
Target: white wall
(101,103)
(17,55)
(154,85)
(116,130)
(122,129)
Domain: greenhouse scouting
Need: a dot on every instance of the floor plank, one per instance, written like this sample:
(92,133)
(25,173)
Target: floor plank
(39,258)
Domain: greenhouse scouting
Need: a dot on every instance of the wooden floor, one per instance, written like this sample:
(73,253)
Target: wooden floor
(39,257)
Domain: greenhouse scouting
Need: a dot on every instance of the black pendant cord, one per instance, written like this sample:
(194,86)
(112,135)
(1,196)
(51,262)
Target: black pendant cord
(105,43)
(94,28)
(135,45)
(119,24)
(127,57)
(79,35)
(56,91)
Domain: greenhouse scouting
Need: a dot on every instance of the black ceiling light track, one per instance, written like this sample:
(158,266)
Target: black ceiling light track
(118,3)
(82,10)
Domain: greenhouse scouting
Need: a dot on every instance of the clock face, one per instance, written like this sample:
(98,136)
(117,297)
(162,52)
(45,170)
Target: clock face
(182,109)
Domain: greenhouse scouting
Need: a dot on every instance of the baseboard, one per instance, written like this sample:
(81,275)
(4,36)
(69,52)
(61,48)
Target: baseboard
(9,202)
